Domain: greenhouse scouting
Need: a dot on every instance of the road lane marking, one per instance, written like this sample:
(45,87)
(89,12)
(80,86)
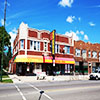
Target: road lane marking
(70,89)
(23,97)
(39,91)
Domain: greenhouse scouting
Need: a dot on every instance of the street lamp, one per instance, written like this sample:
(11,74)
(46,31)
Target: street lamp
(3,39)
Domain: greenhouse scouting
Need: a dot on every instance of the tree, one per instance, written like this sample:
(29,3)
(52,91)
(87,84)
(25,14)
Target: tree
(7,42)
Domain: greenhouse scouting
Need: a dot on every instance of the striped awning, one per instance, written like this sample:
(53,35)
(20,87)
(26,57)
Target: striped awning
(44,59)
(59,60)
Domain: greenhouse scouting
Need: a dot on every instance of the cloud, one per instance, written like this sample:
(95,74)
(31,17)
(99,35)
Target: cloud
(78,35)
(70,19)
(79,18)
(13,35)
(74,34)
(82,32)
(91,24)
(2,22)
(86,37)
(65,3)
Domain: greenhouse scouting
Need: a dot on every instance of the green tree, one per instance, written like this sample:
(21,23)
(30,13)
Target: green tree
(7,43)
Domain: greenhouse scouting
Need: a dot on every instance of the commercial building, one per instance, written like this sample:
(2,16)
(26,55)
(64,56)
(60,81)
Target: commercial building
(87,57)
(33,52)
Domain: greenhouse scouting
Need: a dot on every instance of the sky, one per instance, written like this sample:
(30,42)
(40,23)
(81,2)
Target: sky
(78,17)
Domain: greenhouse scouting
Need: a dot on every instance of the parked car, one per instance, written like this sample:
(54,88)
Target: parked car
(95,75)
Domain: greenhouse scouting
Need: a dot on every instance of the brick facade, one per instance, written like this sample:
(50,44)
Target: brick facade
(93,61)
(32,48)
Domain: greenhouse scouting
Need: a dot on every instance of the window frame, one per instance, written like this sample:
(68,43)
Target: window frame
(22,44)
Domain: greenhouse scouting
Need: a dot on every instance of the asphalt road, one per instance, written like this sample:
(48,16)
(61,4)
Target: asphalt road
(66,90)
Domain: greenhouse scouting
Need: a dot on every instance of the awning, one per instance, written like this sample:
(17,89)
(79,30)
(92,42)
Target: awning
(35,59)
(44,59)
(59,60)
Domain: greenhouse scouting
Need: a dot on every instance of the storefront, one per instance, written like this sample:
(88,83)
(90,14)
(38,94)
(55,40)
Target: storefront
(81,68)
(32,65)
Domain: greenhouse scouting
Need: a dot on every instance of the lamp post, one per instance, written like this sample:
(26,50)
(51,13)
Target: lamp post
(3,39)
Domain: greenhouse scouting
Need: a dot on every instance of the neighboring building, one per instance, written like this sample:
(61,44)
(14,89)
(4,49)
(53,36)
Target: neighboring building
(32,54)
(87,57)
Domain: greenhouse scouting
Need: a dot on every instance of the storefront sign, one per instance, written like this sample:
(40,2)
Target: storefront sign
(52,41)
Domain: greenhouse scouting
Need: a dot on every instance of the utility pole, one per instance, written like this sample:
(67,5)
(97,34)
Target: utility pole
(3,38)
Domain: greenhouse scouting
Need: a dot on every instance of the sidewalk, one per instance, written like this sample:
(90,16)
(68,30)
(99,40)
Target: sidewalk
(22,79)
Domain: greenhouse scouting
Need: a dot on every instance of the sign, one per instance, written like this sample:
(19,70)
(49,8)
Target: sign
(52,41)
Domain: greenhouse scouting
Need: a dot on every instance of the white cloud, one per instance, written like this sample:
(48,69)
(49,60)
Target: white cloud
(74,34)
(78,35)
(13,35)
(70,19)
(91,24)
(86,37)
(82,32)
(2,22)
(65,3)
(79,18)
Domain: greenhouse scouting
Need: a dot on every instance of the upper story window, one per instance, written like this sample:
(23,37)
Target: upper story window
(67,49)
(99,56)
(56,48)
(94,54)
(77,52)
(89,54)
(22,44)
(45,46)
(31,44)
(83,53)
(36,45)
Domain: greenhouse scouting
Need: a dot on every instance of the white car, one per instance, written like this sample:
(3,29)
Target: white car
(95,75)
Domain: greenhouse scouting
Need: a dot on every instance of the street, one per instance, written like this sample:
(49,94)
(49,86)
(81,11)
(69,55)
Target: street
(55,90)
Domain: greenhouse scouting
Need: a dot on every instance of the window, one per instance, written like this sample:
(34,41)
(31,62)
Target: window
(31,45)
(36,45)
(89,54)
(84,53)
(56,48)
(67,49)
(94,54)
(22,44)
(45,46)
(77,52)
(99,56)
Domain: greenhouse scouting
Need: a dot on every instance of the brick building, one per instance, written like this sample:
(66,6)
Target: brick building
(32,54)
(87,57)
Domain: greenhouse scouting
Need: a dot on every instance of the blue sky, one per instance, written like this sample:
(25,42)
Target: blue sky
(78,17)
